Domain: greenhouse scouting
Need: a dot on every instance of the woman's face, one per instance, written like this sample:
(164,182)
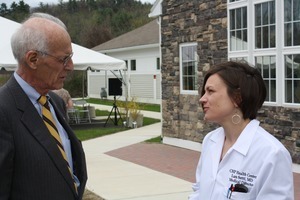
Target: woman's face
(217,105)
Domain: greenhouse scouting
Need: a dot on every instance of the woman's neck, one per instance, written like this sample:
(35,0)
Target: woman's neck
(232,132)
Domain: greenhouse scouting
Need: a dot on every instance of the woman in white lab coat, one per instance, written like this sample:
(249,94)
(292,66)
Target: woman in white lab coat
(240,160)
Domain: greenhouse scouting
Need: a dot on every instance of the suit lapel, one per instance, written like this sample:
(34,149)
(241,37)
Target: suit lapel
(35,125)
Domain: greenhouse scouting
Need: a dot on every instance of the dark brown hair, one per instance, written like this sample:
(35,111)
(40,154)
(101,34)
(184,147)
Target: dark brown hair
(245,86)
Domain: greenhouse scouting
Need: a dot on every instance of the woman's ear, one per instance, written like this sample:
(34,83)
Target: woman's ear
(237,99)
(31,58)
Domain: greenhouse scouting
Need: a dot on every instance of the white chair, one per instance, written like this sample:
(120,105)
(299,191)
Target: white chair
(83,113)
(72,116)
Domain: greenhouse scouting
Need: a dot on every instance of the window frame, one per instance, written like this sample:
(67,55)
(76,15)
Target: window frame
(182,91)
(279,51)
(133,65)
(158,64)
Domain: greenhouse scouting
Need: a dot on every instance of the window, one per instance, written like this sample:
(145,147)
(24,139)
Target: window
(157,63)
(126,62)
(265,33)
(239,59)
(291,22)
(238,29)
(267,67)
(292,78)
(133,65)
(272,44)
(188,68)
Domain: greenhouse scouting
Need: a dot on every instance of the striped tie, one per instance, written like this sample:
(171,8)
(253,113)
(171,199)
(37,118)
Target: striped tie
(50,123)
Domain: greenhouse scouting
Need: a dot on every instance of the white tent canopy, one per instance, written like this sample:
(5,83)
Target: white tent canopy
(83,58)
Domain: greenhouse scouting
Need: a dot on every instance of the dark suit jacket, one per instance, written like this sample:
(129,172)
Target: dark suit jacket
(31,166)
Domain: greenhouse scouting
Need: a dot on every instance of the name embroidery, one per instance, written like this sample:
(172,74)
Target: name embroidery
(242,177)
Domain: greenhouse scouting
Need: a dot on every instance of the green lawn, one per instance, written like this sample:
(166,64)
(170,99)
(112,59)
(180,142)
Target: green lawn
(144,106)
(154,140)
(90,133)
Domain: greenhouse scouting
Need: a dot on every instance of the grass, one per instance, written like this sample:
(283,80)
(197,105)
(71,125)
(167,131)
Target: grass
(144,106)
(94,132)
(102,112)
(154,140)
(90,133)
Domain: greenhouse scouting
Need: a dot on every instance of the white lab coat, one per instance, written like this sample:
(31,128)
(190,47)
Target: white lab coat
(257,160)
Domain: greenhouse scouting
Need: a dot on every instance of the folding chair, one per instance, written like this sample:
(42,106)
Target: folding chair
(83,113)
(72,116)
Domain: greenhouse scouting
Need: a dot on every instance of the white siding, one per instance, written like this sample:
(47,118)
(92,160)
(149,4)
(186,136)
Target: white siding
(158,86)
(95,83)
(141,86)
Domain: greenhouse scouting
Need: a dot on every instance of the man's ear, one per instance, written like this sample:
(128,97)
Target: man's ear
(31,58)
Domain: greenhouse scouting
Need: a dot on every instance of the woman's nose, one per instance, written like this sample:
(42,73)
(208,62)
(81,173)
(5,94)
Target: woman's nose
(202,99)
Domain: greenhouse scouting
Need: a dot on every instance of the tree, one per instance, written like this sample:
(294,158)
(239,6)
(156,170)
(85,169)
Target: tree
(89,22)
(3,9)
(17,12)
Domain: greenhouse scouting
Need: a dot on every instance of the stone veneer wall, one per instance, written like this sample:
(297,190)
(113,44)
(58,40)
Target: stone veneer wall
(183,21)
(205,22)
(284,124)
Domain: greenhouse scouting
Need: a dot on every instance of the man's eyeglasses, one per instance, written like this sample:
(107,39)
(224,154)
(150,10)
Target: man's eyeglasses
(64,60)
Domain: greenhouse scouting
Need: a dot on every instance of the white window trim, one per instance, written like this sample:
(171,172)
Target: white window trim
(280,51)
(189,92)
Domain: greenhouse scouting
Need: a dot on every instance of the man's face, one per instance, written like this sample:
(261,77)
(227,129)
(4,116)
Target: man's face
(55,69)
(54,66)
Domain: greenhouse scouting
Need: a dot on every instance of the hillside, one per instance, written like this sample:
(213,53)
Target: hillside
(89,22)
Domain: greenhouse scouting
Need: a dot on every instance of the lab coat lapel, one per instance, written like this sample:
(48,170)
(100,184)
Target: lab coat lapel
(217,141)
(244,141)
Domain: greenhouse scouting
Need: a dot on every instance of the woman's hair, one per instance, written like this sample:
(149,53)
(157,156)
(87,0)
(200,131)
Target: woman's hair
(245,86)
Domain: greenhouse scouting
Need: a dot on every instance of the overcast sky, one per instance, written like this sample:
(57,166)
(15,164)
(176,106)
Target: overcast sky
(35,3)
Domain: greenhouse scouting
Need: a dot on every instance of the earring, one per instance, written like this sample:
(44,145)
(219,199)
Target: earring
(236,119)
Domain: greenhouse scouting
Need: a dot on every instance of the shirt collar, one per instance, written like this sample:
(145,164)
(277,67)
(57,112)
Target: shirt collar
(32,94)
(243,142)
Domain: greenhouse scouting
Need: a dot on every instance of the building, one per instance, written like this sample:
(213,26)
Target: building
(140,50)
(198,34)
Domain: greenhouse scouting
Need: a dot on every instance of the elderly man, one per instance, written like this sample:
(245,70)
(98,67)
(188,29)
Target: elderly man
(40,157)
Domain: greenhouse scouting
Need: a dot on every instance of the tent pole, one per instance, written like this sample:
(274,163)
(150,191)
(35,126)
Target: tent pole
(83,84)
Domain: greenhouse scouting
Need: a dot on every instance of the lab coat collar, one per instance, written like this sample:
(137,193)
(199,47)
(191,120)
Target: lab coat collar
(244,140)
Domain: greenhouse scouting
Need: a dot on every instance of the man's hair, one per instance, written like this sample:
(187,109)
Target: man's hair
(28,38)
(49,17)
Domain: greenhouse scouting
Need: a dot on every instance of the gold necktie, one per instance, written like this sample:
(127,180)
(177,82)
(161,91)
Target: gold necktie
(50,123)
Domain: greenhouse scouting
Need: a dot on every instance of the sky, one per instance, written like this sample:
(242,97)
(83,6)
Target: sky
(35,3)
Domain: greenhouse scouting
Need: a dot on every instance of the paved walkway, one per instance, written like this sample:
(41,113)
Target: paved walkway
(112,178)
(120,167)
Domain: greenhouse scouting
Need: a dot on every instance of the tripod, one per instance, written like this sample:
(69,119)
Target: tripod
(116,111)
